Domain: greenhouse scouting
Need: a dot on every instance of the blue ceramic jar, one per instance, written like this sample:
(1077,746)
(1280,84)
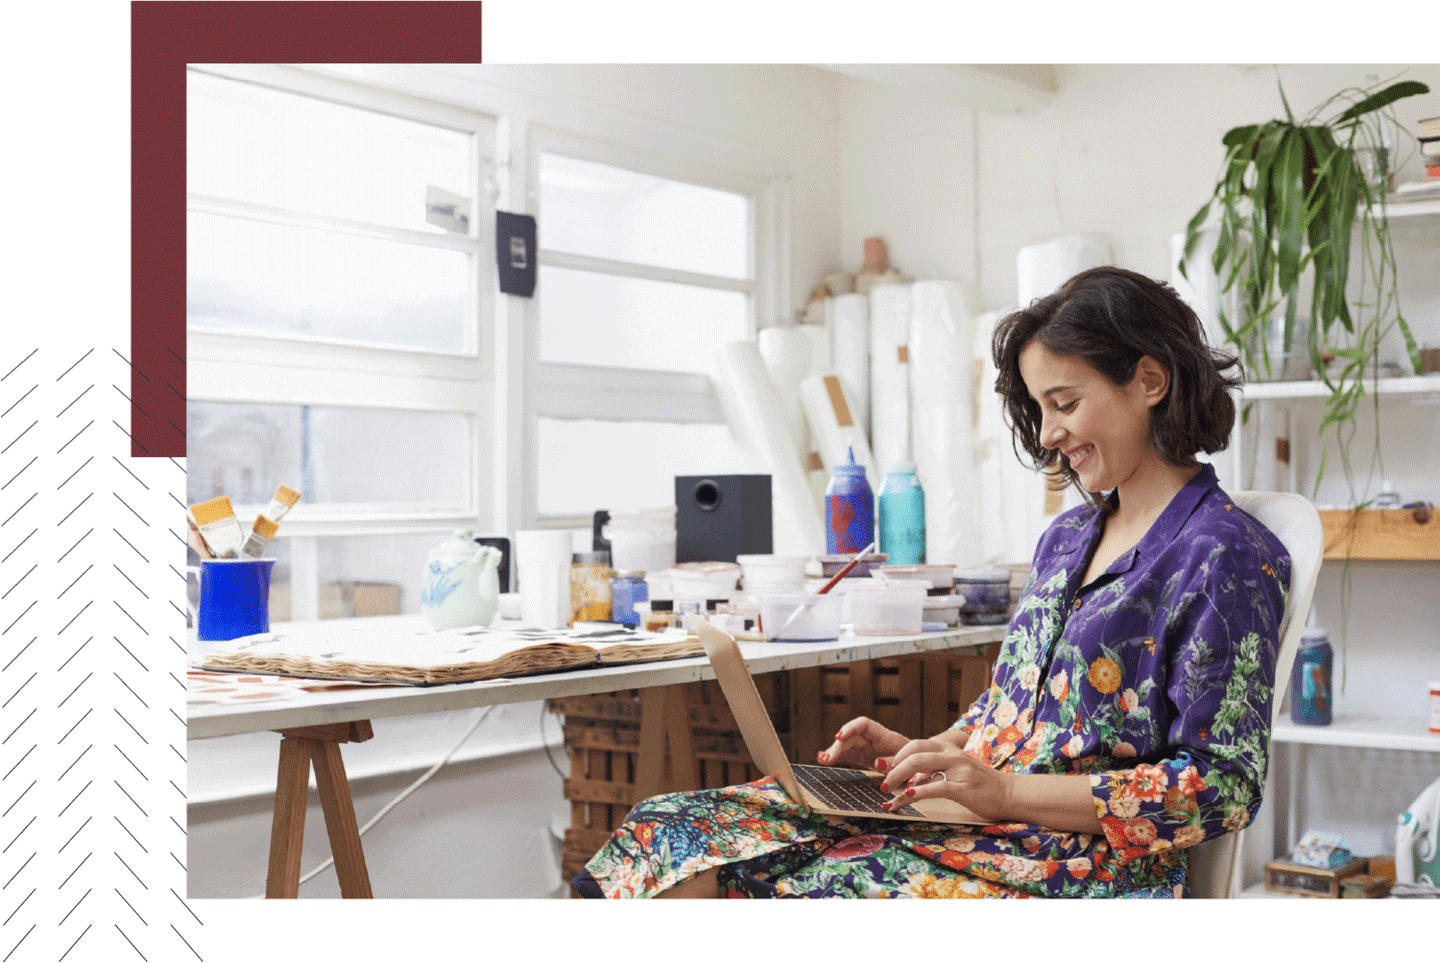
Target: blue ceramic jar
(902,516)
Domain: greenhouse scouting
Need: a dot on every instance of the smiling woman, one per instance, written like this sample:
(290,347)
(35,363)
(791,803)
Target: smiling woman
(1128,716)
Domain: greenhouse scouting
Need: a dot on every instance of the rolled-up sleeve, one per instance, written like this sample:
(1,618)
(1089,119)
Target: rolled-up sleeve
(1222,639)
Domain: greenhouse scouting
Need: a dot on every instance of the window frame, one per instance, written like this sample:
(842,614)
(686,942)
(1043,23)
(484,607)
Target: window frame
(255,367)
(569,391)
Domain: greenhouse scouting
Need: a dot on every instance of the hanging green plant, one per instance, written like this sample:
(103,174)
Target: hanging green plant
(1290,196)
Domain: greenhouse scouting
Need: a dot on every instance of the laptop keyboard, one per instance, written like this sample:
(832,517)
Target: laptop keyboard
(848,789)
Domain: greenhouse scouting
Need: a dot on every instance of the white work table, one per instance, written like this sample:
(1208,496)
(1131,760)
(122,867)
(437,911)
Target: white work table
(313,724)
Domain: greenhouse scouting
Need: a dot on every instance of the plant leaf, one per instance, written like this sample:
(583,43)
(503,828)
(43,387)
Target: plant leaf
(1289,191)
(1382,98)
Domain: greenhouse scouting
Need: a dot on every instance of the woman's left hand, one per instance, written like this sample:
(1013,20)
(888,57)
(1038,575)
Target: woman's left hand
(967,780)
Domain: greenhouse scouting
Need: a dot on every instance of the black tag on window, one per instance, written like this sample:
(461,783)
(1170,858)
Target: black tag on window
(515,253)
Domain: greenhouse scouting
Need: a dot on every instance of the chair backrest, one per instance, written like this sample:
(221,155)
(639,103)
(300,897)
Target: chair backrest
(1296,523)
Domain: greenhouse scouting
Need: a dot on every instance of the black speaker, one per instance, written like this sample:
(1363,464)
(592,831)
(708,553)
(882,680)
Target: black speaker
(718,517)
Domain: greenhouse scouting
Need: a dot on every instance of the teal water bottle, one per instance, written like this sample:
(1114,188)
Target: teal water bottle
(902,516)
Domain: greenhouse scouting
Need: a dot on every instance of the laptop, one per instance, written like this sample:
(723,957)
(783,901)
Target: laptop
(827,790)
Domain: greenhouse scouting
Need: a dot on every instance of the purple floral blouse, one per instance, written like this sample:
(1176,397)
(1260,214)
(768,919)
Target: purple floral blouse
(1156,677)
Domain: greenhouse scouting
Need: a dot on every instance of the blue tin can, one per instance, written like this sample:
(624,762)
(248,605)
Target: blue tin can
(902,516)
(849,509)
(627,588)
(1310,701)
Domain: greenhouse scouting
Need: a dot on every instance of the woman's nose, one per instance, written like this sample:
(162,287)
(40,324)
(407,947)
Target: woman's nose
(1050,433)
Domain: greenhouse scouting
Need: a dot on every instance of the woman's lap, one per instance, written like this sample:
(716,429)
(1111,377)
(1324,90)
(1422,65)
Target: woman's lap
(763,845)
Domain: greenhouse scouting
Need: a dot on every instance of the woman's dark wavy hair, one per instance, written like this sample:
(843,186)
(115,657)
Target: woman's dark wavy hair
(1109,318)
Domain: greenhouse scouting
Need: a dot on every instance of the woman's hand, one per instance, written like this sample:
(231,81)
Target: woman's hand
(967,780)
(862,742)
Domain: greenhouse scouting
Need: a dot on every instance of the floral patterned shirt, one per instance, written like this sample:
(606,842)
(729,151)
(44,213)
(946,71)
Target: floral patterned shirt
(1156,678)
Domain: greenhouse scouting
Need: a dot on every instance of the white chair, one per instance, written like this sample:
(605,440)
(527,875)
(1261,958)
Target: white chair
(1296,523)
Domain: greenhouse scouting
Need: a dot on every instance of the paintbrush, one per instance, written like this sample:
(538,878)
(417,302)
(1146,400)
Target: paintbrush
(834,581)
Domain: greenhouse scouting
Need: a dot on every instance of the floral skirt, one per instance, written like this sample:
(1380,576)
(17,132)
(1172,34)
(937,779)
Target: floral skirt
(764,845)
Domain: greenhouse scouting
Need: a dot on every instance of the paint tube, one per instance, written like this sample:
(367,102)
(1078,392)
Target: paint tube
(219,526)
(260,534)
(283,500)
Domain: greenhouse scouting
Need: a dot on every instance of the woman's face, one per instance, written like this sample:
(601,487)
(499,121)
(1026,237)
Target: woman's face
(1102,430)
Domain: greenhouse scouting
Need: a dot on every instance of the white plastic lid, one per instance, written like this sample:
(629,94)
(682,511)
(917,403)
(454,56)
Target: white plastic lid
(982,575)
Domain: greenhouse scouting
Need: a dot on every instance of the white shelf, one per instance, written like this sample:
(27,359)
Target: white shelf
(1258,891)
(1402,210)
(1408,385)
(1363,731)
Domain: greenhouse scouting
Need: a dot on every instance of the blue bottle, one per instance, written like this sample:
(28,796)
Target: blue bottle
(849,509)
(902,516)
(1310,698)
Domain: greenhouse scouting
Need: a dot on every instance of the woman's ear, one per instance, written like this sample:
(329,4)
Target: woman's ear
(1152,379)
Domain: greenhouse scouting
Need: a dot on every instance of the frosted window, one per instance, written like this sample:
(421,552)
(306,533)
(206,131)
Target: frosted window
(274,278)
(602,319)
(250,143)
(416,460)
(626,465)
(622,215)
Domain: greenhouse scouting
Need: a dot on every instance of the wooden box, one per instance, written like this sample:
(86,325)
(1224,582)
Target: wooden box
(1370,534)
(1287,877)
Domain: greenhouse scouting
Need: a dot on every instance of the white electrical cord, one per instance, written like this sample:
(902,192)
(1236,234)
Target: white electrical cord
(479,718)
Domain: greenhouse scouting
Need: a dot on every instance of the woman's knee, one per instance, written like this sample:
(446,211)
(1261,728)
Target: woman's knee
(702,886)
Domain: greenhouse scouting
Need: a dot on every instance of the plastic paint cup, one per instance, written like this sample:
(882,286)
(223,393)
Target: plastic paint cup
(234,598)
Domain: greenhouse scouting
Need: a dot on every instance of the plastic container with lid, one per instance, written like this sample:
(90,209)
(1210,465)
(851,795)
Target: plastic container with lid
(704,580)
(820,619)
(642,541)
(941,578)
(830,565)
(887,606)
(761,574)
(987,595)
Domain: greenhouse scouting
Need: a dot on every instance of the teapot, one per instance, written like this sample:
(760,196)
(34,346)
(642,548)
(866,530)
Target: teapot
(461,586)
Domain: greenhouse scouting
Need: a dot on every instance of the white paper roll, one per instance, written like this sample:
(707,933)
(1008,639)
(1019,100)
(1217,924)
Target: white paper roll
(786,351)
(819,338)
(848,318)
(1041,268)
(890,374)
(756,416)
(942,429)
(832,421)
(1012,494)
(542,563)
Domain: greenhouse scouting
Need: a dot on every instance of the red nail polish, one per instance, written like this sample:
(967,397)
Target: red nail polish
(909,792)
(884,787)
(880,764)
(885,805)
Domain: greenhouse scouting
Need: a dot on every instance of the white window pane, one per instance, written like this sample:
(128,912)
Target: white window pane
(626,465)
(602,319)
(418,460)
(273,278)
(251,143)
(365,575)
(622,215)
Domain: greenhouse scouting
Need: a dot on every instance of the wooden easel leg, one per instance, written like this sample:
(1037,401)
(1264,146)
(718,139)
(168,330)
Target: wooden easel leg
(340,822)
(650,757)
(287,831)
(680,746)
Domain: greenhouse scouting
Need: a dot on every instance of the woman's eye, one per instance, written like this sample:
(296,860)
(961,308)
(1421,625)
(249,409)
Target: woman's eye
(1066,409)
